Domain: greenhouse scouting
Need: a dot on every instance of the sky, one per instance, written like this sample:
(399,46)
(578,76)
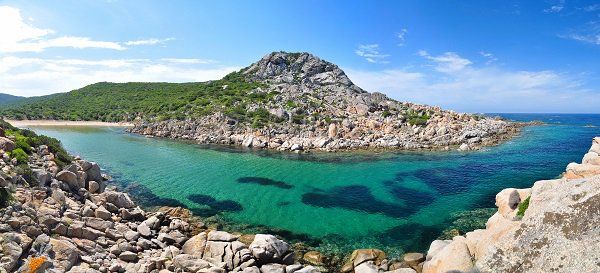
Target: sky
(469,56)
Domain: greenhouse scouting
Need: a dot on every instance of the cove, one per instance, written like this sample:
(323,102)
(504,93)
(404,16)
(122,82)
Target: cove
(395,201)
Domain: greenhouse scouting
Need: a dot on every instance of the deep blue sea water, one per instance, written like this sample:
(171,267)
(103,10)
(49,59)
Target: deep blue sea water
(397,201)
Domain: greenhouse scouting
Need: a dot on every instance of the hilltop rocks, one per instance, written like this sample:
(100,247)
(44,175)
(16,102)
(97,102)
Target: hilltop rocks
(559,229)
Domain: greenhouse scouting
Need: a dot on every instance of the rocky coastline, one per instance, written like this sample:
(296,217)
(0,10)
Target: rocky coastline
(71,220)
(550,227)
(465,132)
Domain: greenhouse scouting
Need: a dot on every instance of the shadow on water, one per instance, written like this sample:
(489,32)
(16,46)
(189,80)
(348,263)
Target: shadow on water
(263,181)
(145,198)
(355,197)
(214,206)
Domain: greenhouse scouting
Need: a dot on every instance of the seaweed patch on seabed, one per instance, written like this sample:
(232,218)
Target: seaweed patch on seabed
(355,197)
(214,206)
(264,182)
(143,196)
(447,181)
(414,198)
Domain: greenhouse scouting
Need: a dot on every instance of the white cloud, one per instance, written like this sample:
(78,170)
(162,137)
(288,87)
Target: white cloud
(476,88)
(489,56)
(37,76)
(591,8)
(371,53)
(553,9)
(18,35)
(587,33)
(448,62)
(401,36)
(560,5)
(152,41)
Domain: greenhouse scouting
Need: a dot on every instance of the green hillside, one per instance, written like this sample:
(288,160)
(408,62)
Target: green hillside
(6,98)
(158,101)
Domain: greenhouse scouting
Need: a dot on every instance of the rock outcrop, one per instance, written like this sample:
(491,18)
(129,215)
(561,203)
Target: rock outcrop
(552,227)
(317,107)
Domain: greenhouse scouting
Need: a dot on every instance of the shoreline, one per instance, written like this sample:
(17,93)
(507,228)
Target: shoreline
(18,123)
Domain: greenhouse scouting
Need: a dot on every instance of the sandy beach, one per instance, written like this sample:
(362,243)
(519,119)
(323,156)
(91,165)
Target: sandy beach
(20,123)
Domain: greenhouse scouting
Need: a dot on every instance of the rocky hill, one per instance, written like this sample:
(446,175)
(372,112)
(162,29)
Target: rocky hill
(312,104)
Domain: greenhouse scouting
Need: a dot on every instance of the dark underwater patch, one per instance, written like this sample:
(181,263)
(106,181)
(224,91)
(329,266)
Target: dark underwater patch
(413,198)
(214,206)
(263,181)
(355,197)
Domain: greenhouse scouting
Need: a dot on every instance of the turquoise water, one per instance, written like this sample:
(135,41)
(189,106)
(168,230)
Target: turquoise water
(396,200)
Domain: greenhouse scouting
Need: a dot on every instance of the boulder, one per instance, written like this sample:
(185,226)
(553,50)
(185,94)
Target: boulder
(272,268)
(144,230)
(366,267)
(190,263)
(94,173)
(68,177)
(314,258)
(413,259)
(93,187)
(267,248)
(102,213)
(454,256)
(222,236)
(360,256)
(128,256)
(119,199)
(64,254)
(332,131)
(507,201)
(6,144)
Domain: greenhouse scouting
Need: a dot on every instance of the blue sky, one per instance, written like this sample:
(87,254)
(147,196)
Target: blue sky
(475,56)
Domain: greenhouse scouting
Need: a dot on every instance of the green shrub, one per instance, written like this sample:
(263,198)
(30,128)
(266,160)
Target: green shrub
(523,207)
(21,143)
(418,121)
(290,104)
(386,114)
(20,155)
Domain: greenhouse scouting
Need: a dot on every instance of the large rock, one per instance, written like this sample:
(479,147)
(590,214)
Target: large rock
(559,231)
(119,199)
(68,177)
(195,245)
(190,263)
(267,248)
(93,172)
(64,254)
(6,144)
(454,256)
(222,236)
(507,201)
(360,256)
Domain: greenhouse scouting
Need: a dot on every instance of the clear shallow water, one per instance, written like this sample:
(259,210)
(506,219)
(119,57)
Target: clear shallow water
(398,201)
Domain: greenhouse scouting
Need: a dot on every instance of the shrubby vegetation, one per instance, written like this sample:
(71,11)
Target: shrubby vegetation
(26,140)
(523,206)
(115,102)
